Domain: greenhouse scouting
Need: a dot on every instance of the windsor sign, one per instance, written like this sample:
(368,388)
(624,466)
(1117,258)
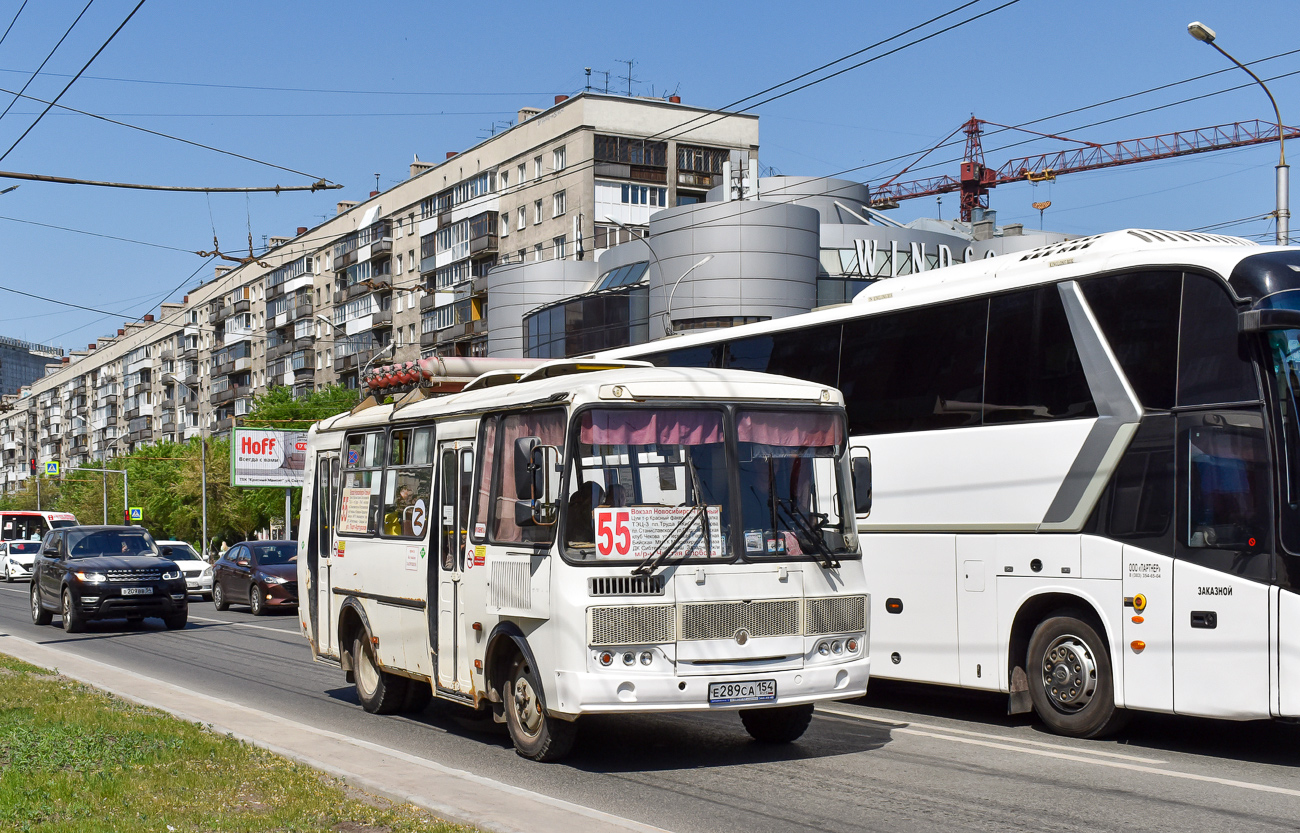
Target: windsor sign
(267,459)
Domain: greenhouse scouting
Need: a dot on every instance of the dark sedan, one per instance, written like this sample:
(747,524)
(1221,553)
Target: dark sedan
(105,572)
(260,574)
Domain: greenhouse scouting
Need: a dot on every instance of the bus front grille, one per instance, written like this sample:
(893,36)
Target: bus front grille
(835,614)
(722,620)
(626,586)
(632,625)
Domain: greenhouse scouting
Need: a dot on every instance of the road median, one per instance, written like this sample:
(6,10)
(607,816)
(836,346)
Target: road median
(453,795)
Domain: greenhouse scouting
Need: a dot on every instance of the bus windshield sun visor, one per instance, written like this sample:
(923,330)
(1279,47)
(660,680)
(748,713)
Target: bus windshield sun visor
(1260,320)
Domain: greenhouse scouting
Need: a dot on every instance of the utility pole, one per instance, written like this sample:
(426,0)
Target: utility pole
(288,512)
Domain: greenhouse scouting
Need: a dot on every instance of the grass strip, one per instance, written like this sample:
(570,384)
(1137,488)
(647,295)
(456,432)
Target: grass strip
(73,758)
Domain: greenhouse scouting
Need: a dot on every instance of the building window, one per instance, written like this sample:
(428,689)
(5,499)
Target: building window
(537,167)
(537,212)
(645,195)
(505,180)
(558,159)
(523,174)
(537,252)
(399,264)
(558,245)
(523,217)
(505,223)
(557,207)
(522,254)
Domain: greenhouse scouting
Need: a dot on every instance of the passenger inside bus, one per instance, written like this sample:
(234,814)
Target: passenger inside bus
(24,528)
(582,503)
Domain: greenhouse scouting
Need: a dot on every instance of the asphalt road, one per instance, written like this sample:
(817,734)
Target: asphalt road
(904,758)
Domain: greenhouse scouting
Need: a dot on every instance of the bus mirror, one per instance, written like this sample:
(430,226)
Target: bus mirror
(862,485)
(536,474)
(1259,320)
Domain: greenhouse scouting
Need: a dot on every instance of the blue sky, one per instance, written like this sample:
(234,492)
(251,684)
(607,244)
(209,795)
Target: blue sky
(345,90)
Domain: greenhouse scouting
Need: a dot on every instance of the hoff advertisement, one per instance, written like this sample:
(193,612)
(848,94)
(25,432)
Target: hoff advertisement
(260,457)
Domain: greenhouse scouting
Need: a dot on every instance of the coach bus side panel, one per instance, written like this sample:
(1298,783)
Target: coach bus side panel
(1288,636)
(913,606)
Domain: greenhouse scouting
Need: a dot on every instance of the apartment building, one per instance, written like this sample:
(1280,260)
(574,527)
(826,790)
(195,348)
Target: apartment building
(400,275)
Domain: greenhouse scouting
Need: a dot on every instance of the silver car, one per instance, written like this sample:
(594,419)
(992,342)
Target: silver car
(198,573)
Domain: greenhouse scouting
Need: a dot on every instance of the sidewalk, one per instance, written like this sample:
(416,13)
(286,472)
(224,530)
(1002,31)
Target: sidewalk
(453,794)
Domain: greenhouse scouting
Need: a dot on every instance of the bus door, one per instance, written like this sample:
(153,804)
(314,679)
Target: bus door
(318,567)
(1223,566)
(455,490)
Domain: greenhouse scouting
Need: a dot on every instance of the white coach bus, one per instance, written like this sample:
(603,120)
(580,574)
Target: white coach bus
(586,538)
(1087,470)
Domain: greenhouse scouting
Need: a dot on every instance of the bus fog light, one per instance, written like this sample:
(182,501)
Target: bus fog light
(606,657)
(629,658)
(823,649)
(837,647)
(647,657)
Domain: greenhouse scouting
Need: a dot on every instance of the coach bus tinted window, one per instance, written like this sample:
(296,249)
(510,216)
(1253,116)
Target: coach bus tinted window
(914,370)
(812,354)
(1213,364)
(1139,501)
(1033,367)
(1138,314)
(707,355)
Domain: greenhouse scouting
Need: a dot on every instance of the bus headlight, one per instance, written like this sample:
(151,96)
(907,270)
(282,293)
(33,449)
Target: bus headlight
(824,649)
(629,658)
(647,657)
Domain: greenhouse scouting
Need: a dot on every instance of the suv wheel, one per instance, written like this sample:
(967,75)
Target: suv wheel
(40,616)
(73,621)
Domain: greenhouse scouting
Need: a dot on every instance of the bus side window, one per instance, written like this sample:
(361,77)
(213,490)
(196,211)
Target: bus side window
(359,495)
(408,483)
(548,427)
(1214,366)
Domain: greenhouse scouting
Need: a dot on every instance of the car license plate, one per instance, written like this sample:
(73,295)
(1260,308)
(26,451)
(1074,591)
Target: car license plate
(753,691)
(137,591)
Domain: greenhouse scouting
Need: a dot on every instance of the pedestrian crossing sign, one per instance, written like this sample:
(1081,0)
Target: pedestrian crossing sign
(52,468)
(137,514)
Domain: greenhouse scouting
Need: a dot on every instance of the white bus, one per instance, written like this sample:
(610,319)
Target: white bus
(585,539)
(1087,470)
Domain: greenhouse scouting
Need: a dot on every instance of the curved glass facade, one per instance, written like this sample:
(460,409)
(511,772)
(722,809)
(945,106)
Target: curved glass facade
(602,321)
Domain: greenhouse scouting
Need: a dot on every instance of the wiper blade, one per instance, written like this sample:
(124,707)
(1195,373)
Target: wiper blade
(810,530)
(674,537)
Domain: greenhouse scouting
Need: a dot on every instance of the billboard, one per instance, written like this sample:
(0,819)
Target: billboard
(267,458)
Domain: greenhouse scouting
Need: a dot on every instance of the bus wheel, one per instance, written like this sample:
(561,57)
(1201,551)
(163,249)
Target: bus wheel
(536,734)
(782,724)
(378,691)
(1070,679)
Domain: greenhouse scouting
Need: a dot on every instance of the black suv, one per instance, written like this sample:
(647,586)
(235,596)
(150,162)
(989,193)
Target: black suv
(105,572)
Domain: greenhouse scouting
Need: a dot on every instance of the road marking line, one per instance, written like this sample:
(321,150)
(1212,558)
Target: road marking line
(14,590)
(245,625)
(1000,738)
(1172,773)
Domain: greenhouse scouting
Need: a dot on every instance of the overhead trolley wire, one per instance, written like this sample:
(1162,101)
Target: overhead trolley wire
(32,77)
(74,78)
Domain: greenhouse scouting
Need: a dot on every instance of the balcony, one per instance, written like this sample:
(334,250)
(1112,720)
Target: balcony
(132,413)
(167,355)
(168,425)
(379,283)
(343,261)
(139,436)
(221,397)
(308,368)
(304,343)
(169,404)
(340,296)
(221,426)
(300,310)
(427,302)
(242,305)
(485,245)
(381,247)
(429,339)
(282,349)
(189,353)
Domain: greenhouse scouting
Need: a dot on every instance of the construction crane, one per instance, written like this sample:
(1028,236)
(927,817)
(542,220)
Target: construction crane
(976,178)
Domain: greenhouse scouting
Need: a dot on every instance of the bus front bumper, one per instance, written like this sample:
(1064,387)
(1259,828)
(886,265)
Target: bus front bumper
(609,692)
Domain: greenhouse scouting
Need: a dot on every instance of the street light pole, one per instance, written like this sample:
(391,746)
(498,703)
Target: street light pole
(203,468)
(1205,34)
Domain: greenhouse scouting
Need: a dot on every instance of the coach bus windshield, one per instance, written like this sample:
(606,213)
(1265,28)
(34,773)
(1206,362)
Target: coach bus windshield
(654,485)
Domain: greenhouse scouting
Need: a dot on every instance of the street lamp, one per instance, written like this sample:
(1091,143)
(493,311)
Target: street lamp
(203,464)
(668,312)
(1205,34)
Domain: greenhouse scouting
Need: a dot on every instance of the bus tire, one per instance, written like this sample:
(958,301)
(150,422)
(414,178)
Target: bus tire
(536,734)
(780,724)
(378,691)
(1070,680)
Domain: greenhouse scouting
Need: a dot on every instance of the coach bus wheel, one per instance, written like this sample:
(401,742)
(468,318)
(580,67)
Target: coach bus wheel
(536,734)
(782,724)
(40,616)
(1070,680)
(378,691)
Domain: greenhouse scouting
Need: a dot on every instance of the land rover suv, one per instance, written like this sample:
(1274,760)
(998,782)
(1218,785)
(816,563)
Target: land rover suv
(105,572)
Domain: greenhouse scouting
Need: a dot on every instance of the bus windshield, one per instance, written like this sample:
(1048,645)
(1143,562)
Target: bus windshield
(23,527)
(653,485)
(1284,347)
